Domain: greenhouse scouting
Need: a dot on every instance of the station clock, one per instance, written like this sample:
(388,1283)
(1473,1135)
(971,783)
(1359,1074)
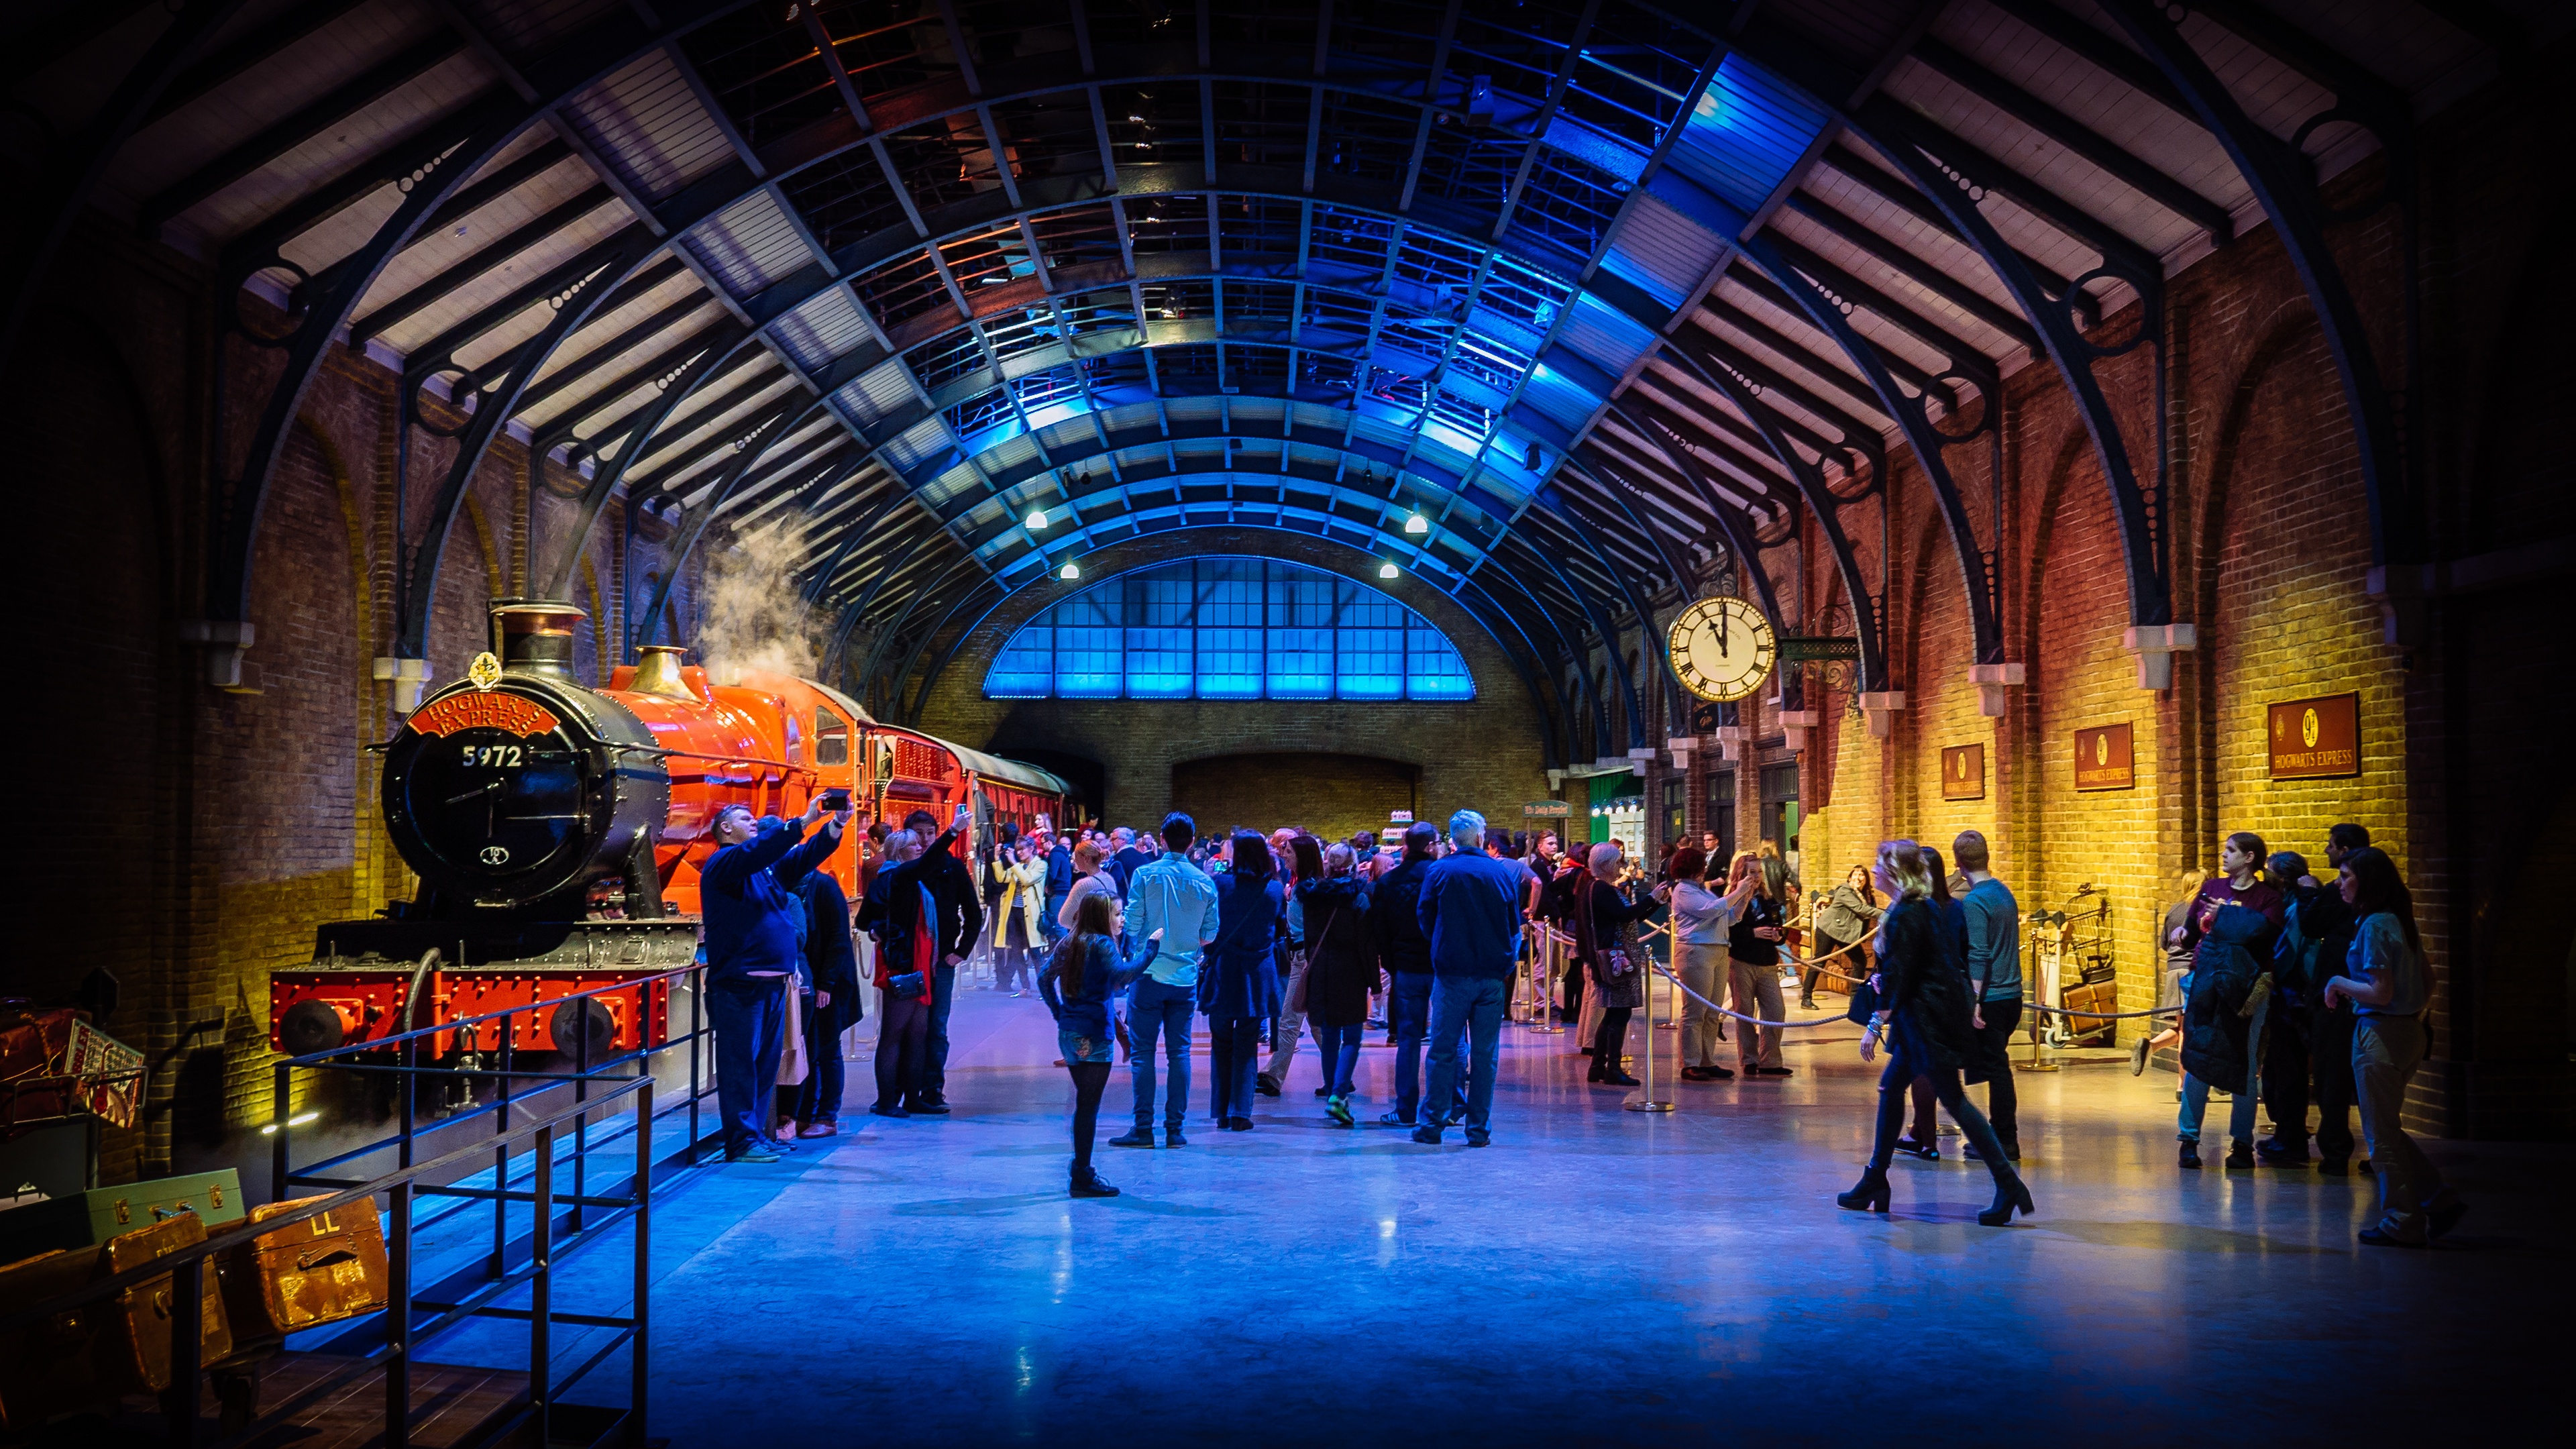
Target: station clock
(1722,648)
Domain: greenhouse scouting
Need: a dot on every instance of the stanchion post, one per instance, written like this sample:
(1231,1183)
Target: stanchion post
(1645,1100)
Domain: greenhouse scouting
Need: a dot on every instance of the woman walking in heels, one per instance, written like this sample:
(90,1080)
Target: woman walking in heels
(1922,1016)
(1617,971)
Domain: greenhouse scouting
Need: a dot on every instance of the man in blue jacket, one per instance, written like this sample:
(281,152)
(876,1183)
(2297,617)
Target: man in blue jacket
(752,943)
(1470,907)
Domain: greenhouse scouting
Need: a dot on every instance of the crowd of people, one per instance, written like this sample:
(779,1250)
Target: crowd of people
(1130,937)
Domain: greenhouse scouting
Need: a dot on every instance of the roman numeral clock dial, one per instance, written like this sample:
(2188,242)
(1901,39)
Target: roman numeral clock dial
(1723,648)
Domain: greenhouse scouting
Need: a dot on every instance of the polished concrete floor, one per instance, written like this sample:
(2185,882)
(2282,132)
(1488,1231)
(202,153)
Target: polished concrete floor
(1598,1276)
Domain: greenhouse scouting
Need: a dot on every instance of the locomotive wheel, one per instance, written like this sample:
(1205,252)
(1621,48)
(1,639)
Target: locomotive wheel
(588,1016)
(309,1026)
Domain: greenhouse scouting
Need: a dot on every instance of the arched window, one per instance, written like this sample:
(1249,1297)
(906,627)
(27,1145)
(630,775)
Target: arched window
(1229,628)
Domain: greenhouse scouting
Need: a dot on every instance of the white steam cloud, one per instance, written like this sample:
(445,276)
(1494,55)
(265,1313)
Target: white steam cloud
(749,615)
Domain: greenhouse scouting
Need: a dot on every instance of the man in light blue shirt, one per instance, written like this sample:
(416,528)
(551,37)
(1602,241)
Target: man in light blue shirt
(1172,896)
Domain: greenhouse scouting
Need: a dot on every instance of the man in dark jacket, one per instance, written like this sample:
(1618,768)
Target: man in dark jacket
(959,925)
(833,962)
(1469,908)
(752,952)
(1395,925)
(2307,1036)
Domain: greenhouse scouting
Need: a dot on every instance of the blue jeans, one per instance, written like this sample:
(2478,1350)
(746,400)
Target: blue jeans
(1154,1009)
(750,1018)
(1408,1006)
(1341,1048)
(826,1075)
(1469,1006)
(934,1067)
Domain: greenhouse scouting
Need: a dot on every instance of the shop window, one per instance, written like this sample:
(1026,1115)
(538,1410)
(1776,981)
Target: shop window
(1780,807)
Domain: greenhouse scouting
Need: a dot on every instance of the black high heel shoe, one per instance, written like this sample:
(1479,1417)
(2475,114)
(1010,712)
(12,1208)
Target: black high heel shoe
(1869,1195)
(2011,1195)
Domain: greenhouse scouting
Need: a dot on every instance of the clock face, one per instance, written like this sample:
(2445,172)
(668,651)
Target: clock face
(1723,648)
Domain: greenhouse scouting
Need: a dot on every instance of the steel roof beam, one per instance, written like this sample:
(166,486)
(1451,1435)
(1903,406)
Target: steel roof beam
(2096,149)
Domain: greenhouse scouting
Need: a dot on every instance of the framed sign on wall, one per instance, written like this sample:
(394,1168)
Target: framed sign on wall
(1963,772)
(2316,739)
(2106,758)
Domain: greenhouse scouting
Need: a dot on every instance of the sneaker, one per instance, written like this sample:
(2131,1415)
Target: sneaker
(882,1110)
(2191,1157)
(1321,1092)
(1427,1135)
(757,1152)
(1479,1139)
(1340,1109)
(1134,1137)
(2276,1153)
(2138,1057)
(930,1109)
(2240,1156)
(1266,1084)
(1087,1183)
(1924,1151)
(1392,1120)
(1175,1137)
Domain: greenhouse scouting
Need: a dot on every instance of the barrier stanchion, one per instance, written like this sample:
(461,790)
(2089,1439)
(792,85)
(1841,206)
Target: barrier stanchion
(1645,1100)
(1543,984)
(2035,1064)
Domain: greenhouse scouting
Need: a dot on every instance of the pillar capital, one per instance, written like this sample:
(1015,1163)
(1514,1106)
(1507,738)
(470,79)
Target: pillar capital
(2156,645)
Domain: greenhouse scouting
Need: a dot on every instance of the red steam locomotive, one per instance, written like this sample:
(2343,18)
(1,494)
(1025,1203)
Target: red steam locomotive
(558,832)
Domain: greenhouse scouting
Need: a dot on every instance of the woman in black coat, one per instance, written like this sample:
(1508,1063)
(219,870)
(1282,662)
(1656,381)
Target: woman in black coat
(1341,971)
(1923,1015)
(1238,979)
(1605,947)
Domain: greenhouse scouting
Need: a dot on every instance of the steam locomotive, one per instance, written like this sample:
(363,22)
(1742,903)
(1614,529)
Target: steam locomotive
(558,832)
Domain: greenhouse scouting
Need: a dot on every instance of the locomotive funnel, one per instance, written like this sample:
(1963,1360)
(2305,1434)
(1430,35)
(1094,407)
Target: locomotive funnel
(659,672)
(535,634)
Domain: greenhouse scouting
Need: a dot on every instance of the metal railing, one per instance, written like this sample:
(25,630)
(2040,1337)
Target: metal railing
(401,1336)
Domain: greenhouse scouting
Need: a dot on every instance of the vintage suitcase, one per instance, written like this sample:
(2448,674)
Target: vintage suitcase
(2091,996)
(306,1274)
(86,1219)
(121,1345)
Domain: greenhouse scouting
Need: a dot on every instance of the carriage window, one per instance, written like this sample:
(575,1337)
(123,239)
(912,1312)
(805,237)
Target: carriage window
(831,738)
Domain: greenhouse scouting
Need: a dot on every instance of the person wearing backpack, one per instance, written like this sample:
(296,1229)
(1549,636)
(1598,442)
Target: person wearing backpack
(2391,992)
(2310,1038)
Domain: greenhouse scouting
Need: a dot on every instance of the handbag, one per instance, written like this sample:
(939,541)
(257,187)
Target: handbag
(1864,1003)
(906,986)
(792,1065)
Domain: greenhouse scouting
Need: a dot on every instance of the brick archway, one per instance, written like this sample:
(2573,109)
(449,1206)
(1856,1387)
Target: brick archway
(1333,795)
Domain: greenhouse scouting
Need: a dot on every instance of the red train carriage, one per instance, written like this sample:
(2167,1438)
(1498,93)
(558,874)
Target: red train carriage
(558,832)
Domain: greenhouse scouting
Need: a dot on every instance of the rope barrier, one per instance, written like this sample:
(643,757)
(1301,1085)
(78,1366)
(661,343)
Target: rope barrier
(1667,973)
(2104,1015)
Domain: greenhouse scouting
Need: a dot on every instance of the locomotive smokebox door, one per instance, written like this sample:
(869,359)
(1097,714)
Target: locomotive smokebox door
(526,789)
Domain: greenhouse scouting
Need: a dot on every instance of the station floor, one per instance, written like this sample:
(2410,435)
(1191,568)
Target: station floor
(1596,1277)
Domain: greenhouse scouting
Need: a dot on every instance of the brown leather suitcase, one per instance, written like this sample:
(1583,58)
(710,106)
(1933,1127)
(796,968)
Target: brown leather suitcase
(93,1353)
(321,1270)
(2091,996)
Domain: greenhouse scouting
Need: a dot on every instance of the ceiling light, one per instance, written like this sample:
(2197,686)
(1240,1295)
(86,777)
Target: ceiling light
(1417,524)
(1386,571)
(1037,519)
(1068,571)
